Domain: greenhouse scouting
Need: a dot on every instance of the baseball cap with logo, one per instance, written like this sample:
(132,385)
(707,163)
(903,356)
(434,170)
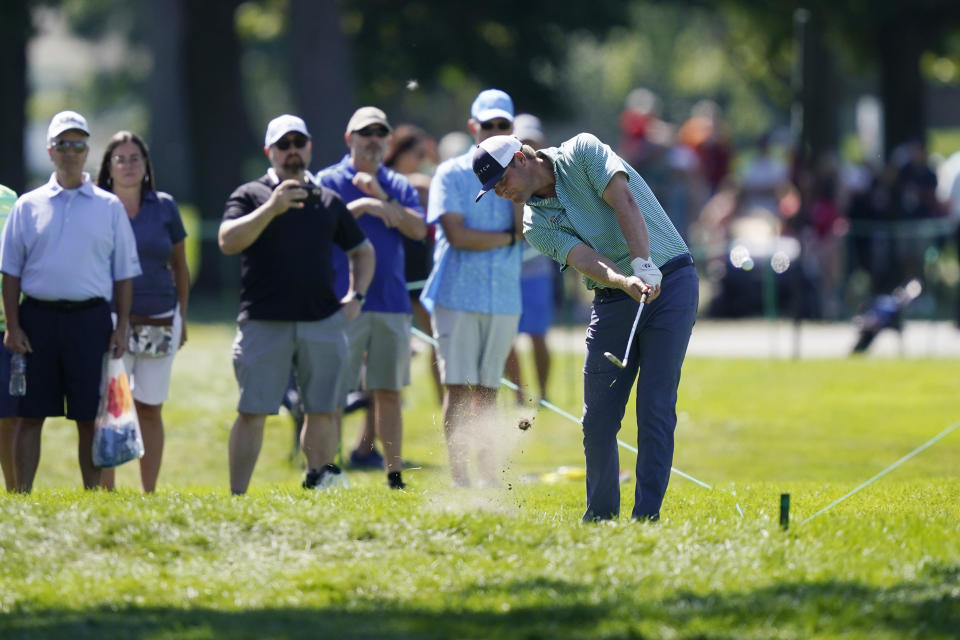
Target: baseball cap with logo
(67,121)
(490,160)
(490,104)
(365,116)
(281,126)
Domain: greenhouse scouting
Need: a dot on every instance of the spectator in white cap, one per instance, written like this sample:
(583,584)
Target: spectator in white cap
(473,293)
(284,229)
(69,249)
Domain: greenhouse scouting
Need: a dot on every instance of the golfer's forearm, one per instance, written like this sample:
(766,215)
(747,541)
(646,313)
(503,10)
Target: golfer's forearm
(596,267)
(629,217)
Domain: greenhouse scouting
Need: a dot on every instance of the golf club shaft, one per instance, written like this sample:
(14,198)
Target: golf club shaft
(633,329)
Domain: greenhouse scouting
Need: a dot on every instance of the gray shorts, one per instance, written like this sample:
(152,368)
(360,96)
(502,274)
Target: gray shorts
(264,352)
(385,339)
(472,347)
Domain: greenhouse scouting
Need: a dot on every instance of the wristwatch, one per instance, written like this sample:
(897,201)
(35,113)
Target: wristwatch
(359,297)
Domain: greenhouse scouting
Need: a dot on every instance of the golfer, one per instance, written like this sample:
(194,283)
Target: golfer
(588,209)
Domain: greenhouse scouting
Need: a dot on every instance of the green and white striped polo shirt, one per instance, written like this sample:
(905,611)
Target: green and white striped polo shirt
(583,167)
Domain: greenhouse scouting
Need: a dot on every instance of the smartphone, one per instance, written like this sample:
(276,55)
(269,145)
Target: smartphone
(314,194)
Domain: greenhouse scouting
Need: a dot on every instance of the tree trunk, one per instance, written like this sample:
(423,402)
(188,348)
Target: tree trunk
(219,131)
(820,109)
(16,27)
(169,140)
(902,90)
(322,82)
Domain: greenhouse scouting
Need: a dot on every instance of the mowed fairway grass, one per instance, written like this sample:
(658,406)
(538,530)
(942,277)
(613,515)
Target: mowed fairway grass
(433,562)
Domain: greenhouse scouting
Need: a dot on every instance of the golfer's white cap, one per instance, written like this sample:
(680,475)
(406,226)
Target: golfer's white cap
(67,121)
(281,126)
(490,160)
(527,127)
(490,104)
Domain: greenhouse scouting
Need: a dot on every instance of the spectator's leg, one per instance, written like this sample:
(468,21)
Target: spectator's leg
(27,452)
(320,440)
(512,371)
(88,471)
(389,426)
(246,438)
(456,405)
(541,358)
(8,430)
(151,426)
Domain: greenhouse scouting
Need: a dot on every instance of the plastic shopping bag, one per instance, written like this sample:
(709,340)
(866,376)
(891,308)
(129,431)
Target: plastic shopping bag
(116,435)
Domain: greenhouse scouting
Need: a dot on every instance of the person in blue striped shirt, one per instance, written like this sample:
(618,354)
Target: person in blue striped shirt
(588,209)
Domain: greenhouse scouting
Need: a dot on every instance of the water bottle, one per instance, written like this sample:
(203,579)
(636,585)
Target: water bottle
(18,374)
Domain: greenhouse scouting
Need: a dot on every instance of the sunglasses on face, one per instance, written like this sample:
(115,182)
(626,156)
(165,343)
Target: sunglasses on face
(502,125)
(284,143)
(77,145)
(366,132)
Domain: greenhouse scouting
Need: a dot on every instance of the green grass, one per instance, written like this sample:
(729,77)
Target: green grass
(194,562)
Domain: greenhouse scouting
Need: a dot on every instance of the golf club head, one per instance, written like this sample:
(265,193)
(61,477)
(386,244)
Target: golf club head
(614,359)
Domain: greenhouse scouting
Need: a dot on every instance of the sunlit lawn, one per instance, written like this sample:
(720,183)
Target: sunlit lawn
(434,562)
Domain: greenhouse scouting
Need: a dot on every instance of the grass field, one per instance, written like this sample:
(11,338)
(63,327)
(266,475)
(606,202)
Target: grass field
(433,562)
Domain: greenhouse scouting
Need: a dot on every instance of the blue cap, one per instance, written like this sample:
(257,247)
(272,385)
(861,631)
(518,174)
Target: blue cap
(490,104)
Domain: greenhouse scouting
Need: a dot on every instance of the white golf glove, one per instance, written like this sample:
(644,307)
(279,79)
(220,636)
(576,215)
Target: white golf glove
(644,269)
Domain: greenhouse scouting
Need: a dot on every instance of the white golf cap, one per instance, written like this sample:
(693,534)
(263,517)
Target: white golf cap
(365,116)
(490,104)
(281,126)
(67,121)
(527,127)
(490,160)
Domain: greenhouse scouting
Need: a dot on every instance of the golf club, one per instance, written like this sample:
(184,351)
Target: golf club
(626,354)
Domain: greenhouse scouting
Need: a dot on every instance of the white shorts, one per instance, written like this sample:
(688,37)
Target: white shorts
(150,377)
(472,347)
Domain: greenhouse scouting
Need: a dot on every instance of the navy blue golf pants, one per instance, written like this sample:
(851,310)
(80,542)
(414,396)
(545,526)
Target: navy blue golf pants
(657,353)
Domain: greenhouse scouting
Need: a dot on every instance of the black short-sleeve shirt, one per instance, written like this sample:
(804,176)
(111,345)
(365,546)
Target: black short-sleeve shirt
(287,273)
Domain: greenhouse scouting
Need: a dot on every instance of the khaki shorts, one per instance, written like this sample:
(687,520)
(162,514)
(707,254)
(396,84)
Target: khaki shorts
(472,347)
(385,339)
(265,351)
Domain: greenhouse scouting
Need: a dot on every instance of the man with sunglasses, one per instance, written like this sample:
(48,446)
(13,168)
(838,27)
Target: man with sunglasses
(68,247)
(588,209)
(473,293)
(387,208)
(284,228)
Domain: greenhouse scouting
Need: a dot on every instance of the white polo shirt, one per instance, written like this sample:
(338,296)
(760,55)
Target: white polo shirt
(69,244)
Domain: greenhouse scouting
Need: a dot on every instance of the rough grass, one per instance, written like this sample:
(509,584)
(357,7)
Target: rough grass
(433,562)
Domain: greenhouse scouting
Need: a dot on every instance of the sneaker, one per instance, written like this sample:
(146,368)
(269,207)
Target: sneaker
(395,481)
(329,477)
(372,460)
